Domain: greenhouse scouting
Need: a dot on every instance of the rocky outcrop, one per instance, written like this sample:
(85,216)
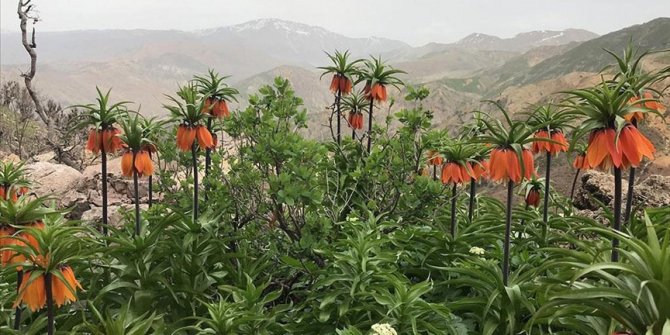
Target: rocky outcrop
(597,189)
(80,192)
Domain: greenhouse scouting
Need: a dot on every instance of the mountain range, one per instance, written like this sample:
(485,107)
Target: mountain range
(527,69)
(143,65)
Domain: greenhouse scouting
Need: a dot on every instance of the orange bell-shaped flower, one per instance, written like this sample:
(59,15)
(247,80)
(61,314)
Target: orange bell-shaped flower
(61,293)
(32,292)
(127,164)
(580,162)
(545,146)
(454,173)
(434,158)
(185,137)
(143,163)
(204,137)
(533,197)
(605,152)
(504,165)
(6,233)
(653,105)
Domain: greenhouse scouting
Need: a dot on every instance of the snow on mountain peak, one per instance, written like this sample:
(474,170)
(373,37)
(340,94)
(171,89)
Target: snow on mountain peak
(277,24)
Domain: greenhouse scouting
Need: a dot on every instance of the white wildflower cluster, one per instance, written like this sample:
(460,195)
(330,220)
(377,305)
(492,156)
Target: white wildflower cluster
(477,251)
(383,329)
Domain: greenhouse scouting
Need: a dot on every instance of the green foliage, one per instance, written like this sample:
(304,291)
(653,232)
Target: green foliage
(102,114)
(302,237)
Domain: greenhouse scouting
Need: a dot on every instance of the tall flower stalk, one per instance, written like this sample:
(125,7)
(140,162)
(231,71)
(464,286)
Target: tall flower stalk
(13,185)
(470,132)
(101,118)
(217,95)
(457,170)
(42,252)
(192,134)
(151,128)
(613,143)
(551,123)
(640,83)
(341,85)
(136,160)
(377,76)
(354,105)
(510,162)
(580,163)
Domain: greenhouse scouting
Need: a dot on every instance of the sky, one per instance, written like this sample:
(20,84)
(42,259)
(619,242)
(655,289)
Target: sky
(413,21)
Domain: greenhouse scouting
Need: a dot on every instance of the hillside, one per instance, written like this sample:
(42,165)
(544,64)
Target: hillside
(589,56)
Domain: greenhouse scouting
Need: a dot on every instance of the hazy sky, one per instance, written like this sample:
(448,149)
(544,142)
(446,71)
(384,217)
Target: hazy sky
(416,22)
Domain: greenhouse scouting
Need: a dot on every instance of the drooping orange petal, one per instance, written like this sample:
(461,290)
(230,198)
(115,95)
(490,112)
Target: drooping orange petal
(498,165)
(539,146)
(127,164)
(445,176)
(63,294)
(188,138)
(28,235)
(147,166)
(562,145)
(643,145)
(465,173)
(529,163)
(117,143)
(334,83)
(597,149)
(629,148)
(205,140)
(345,85)
(220,109)
(93,142)
(207,106)
(6,233)
(367,91)
(613,148)
(514,169)
(32,293)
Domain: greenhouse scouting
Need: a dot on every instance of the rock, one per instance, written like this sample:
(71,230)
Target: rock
(597,215)
(76,203)
(52,179)
(598,187)
(9,157)
(120,189)
(652,192)
(116,214)
(48,156)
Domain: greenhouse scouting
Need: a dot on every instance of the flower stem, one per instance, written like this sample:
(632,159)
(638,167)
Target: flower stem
(137,200)
(17,316)
(617,213)
(208,158)
(50,303)
(453,210)
(338,99)
(523,222)
(574,183)
(629,196)
(194,157)
(508,230)
(473,194)
(372,102)
(104,192)
(434,172)
(151,191)
(547,185)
